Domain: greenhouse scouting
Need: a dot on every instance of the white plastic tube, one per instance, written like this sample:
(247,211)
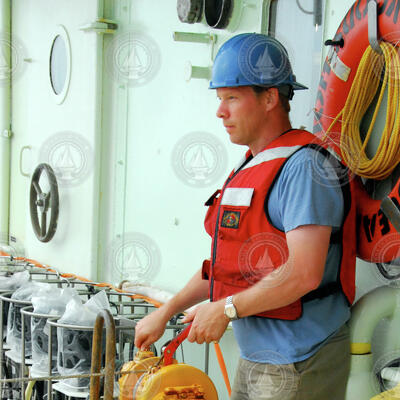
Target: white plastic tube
(369,311)
(366,314)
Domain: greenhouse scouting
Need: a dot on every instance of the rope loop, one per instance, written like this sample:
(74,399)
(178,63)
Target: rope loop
(373,71)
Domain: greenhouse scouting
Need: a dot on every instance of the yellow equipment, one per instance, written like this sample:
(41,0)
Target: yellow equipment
(178,381)
(392,394)
(162,378)
(133,370)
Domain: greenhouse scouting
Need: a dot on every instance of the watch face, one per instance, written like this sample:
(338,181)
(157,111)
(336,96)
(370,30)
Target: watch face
(230,311)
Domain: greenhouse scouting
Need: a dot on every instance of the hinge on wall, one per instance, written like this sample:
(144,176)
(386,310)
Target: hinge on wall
(6,134)
(101,25)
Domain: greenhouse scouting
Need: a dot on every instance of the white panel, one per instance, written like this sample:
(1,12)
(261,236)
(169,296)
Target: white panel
(296,30)
(170,152)
(62,134)
(167,153)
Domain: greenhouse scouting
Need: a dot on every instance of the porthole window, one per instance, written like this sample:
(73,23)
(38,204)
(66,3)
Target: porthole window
(60,64)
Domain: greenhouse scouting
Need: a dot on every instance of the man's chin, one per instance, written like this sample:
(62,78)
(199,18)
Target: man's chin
(235,140)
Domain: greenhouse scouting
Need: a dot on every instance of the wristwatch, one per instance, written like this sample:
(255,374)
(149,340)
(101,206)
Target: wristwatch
(230,309)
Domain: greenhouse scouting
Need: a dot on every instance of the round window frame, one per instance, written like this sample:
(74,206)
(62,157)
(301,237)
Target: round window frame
(62,32)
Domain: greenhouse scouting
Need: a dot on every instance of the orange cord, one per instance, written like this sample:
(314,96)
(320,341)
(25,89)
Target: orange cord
(222,365)
(82,279)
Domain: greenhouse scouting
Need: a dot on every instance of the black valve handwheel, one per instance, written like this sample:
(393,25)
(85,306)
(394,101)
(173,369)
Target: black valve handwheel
(41,202)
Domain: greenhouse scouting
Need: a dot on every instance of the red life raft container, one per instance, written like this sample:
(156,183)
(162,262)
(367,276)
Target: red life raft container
(378,240)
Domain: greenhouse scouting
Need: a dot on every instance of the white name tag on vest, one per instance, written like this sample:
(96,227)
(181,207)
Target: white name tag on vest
(237,197)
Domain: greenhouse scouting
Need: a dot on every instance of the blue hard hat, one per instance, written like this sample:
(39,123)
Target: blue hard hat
(252,59)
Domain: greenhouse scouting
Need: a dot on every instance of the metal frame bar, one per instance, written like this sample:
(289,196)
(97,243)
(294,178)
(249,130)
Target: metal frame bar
(373,26)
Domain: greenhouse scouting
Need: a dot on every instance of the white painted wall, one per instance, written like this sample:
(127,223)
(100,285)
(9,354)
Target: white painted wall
(37,118)
(150,219)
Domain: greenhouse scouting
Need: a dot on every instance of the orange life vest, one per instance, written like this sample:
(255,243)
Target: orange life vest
(246,246)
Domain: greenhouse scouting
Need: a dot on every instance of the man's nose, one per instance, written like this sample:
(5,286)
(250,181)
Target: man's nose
(221,111)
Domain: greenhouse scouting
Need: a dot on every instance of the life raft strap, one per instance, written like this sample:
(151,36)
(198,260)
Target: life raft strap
(324,291)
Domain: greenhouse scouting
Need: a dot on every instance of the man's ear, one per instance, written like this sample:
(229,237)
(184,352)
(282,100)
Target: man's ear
(271,98)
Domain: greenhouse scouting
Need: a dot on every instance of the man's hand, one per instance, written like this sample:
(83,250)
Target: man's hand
(209,322)
(149,329)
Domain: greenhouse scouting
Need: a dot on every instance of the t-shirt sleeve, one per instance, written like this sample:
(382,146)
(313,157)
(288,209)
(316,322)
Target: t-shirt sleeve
(307,192)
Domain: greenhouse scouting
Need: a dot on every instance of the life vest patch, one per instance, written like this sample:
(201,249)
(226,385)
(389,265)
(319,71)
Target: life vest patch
(230,219)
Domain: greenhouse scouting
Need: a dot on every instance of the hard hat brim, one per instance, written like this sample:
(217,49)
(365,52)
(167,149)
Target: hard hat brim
(296,85)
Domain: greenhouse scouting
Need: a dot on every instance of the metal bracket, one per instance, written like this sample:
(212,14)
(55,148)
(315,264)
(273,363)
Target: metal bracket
(7,133)
(196,72)
(101,25)
(194,37)
(373,26)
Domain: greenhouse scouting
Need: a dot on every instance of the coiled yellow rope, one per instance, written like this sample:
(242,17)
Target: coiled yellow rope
(362,93)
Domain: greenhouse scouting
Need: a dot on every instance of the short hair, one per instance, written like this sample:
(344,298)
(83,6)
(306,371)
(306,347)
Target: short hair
(285,94)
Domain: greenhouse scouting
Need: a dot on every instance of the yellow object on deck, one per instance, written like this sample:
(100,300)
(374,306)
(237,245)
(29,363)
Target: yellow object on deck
(177,381)
(392,394)
(133,371)
(163,382)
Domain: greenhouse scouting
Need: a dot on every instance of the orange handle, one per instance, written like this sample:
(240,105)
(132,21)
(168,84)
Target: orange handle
(174,344)
(222,365)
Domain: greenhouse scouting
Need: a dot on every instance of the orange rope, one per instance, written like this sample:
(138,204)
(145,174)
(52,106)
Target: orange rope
(82,279)
(222,365)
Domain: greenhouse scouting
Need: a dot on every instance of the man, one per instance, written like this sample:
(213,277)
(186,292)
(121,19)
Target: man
(289,310)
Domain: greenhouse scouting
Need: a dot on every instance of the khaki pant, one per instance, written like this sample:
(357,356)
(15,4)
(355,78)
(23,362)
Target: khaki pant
(321,377)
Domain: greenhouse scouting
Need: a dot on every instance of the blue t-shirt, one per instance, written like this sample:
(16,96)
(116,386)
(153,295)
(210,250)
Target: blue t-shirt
(306,192)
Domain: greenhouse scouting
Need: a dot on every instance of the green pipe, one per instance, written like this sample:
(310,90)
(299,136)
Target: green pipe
(367,313)
(265,12)
(5,123)
(360,385)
